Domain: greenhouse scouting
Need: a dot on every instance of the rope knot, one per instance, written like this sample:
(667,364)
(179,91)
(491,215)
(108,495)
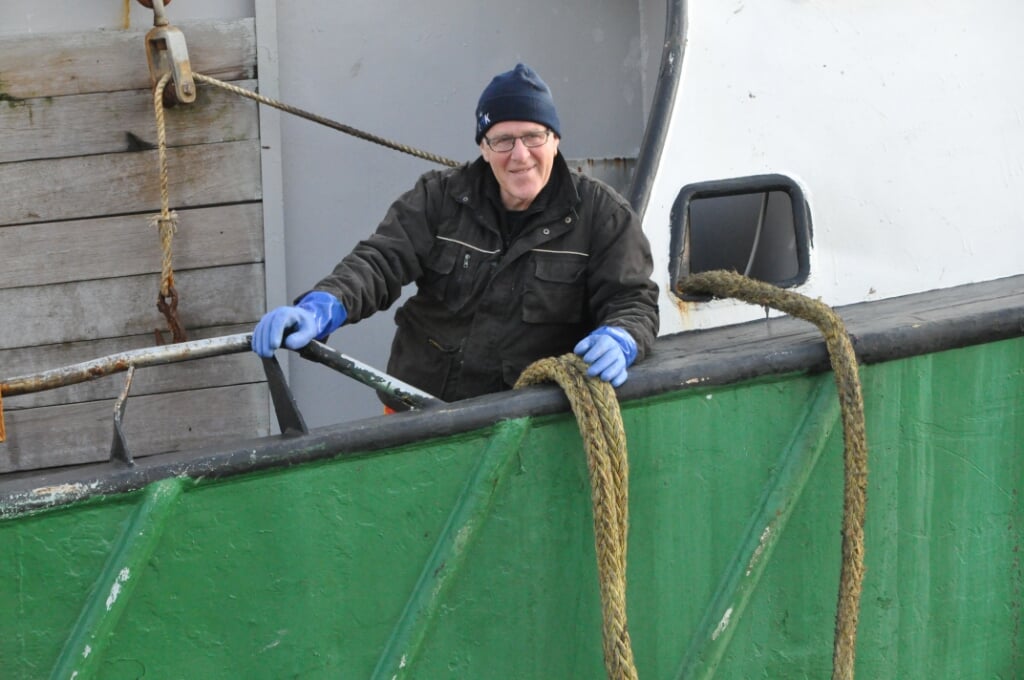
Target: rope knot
(165,221)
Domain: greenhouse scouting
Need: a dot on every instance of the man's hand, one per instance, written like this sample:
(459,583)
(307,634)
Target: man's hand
(609,351)
(316,316)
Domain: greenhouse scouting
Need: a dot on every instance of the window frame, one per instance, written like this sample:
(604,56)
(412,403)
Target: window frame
(679,222)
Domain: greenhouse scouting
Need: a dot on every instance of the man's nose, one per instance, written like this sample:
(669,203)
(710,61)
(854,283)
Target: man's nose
(519,148)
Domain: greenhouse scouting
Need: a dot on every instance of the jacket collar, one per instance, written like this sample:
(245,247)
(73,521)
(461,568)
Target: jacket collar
(473,186)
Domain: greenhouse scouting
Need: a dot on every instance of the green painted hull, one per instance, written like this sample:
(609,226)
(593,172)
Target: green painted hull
(472,556)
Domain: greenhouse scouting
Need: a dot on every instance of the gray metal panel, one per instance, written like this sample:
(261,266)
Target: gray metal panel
(413,73)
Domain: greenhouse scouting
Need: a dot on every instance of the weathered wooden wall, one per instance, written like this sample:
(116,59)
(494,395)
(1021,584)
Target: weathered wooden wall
(80,268)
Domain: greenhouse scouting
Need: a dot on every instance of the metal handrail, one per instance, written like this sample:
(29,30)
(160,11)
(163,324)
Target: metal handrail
(201,349)
(288,416)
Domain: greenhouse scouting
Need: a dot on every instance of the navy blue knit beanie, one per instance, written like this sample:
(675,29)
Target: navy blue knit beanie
(518,94)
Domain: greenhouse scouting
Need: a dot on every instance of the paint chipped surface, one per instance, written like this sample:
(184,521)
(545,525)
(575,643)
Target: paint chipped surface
(46,496)
(761,544)
(59,491)
(401,665)
(281,633)
(723,624)
(115,590)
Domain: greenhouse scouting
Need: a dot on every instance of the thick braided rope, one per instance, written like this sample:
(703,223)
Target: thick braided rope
(341,127)
(167,221)
(855,457)
(600,424)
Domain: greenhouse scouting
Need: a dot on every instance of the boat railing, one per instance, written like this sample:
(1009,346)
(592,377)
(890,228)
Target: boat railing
(289,418)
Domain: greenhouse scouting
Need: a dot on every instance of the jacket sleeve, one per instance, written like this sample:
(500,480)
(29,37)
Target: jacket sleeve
(619,271)
(372,276)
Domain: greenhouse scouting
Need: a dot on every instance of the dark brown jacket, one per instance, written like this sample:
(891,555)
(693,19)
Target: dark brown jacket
(484,310)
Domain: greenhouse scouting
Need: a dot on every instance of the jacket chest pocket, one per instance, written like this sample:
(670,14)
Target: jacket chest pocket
(454,274)
(556,291)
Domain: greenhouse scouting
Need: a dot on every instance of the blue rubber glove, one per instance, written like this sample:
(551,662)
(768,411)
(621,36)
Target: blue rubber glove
(609,350)
(316,316)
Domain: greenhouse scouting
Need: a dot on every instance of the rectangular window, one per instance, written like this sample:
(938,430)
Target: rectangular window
(756,226)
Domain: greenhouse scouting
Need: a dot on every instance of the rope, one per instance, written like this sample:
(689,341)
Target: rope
(855,455)
(600,424)
(341,127)
(167,223)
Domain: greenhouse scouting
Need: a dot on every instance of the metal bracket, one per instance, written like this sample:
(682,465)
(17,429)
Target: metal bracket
(166,53)
(288,417)
(119,447)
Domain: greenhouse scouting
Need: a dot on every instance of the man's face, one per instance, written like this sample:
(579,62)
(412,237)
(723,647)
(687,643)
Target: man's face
(523,171)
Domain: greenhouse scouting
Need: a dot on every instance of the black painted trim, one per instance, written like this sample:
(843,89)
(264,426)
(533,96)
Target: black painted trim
(881,331)
(661,107)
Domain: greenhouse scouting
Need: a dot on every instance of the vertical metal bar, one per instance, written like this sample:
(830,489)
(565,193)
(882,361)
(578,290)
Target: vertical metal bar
(119,447)
(84,649)
(445,561)
(289,419)
(712,636)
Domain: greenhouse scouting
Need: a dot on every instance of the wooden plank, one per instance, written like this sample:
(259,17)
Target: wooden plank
(119,183)
(84,310)
(58,127)
(231,369)
(81,433)
(55,64)
(60,252)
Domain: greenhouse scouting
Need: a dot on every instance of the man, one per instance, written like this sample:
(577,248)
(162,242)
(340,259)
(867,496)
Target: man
(515,258)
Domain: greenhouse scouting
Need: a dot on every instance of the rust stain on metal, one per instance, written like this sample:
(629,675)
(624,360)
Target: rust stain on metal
(684,308)
(114,367)
(116,363)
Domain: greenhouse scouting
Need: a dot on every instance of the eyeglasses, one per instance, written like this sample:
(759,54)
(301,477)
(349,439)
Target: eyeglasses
(531,140)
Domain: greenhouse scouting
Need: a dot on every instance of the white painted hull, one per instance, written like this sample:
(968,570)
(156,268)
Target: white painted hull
(901,121)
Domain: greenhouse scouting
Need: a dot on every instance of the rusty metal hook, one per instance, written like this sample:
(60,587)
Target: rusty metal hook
(168,306)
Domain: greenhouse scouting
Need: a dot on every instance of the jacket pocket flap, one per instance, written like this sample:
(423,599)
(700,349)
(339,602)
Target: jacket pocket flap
(442,257)
(560,269)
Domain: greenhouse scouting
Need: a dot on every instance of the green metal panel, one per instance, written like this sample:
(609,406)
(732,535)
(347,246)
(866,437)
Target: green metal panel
(49,564)
(84,650)
(473,556)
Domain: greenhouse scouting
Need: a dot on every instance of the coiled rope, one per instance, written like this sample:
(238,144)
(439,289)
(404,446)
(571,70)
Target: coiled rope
(600,423)
(725,284)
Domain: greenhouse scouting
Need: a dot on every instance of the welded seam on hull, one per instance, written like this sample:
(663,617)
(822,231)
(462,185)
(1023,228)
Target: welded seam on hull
(85,646)
(743,573)
(468,514)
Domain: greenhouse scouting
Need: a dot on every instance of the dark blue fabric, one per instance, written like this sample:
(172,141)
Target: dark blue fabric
(519,94)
